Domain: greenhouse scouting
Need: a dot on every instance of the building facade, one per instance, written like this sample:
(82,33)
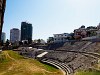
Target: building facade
(26,31)
(2,10)
(60,37)
(14,35)
(83,32)
(3,37)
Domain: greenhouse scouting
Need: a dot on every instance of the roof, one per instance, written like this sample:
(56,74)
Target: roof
(60,34)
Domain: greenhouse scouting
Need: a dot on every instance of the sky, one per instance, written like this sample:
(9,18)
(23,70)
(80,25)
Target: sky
(50,17)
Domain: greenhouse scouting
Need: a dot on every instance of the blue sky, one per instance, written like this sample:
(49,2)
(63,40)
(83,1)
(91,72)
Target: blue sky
(50,17)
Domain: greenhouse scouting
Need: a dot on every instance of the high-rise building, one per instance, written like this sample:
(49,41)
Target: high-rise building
(2,10)
(26,31)
(3,37)
(14,35)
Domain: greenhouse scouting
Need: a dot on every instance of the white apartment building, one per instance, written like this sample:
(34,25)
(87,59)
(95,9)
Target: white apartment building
(60,37)
(14,35)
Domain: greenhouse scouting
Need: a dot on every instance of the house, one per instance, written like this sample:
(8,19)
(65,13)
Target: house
(60,37)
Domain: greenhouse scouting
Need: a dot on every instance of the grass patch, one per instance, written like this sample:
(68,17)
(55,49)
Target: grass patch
(13,64)
(88,73)
(49,68)
(15,55)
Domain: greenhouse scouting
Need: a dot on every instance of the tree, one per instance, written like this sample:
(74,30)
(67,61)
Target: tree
(7,43)
(50,40)
(39,41)
(20,43)
(88,34)
(25,42)
(2,43)
(72,36)
(29,41)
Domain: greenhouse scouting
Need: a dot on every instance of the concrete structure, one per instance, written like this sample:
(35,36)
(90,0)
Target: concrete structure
(90,38)
(3,37)
(14,35)
(60,37)
(42,54)
(26,31)
(2,10)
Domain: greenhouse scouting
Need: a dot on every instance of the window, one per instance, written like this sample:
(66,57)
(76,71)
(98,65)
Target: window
(62,38)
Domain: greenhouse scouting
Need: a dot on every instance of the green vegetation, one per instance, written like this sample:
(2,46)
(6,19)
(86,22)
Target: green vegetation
(88,73)
(13,64)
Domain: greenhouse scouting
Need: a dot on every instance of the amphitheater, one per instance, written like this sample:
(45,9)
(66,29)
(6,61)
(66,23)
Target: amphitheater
(70,57)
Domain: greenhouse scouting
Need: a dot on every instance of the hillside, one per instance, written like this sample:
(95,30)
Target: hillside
(13,64)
